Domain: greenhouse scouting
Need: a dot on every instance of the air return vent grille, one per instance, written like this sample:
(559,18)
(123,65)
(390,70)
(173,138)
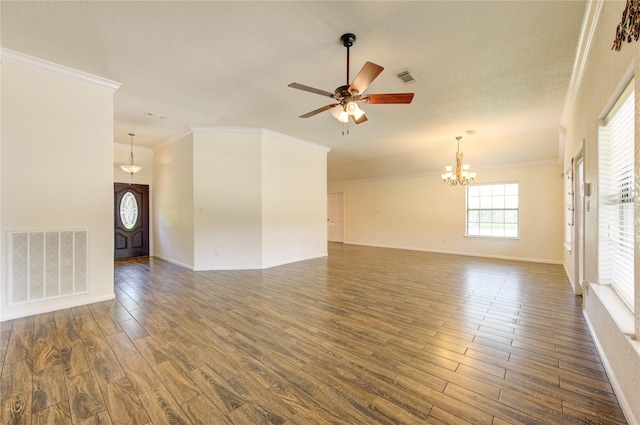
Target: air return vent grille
(406,77)
(47,264)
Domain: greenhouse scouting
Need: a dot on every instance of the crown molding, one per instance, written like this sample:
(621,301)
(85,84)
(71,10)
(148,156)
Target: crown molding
(517,165)
(294,140)
(589,24)
(18,58)
(261,131)
(173,138)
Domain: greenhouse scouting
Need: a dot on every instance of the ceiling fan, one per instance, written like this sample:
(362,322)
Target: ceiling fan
(349,95)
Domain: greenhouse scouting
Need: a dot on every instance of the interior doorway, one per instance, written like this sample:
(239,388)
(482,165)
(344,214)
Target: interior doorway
(579,222)
(335,217)
(131,219)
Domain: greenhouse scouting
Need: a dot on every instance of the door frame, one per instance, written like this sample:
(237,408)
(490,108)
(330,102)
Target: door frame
(149,226)
(579,218)
(343,216)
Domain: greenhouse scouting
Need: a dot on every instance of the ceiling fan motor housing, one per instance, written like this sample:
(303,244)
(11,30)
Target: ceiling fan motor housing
(342,92)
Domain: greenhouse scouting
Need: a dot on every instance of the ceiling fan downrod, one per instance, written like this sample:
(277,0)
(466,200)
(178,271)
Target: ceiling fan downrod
(347,41)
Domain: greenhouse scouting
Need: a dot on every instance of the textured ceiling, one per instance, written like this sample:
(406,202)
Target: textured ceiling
(499,68)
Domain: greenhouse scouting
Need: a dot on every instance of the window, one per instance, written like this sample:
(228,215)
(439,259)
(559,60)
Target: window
(129,211)
(492,210)
(616,197)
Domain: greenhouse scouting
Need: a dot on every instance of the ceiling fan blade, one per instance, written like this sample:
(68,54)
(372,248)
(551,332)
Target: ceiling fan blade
(360,120)
(387,98)
(367,74)
(310,89)
(317,111)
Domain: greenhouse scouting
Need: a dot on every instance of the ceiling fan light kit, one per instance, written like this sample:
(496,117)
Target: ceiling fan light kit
(350,94)
(340,114)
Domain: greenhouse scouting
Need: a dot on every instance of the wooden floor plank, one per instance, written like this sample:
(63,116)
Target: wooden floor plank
(106,367)
(85,398)
(162,408)
(201,411)
(48,388)
(16,409)
(140,374)
(56,414)
(45,352)
(395,413)
(123,403)
(73,359)
(366,335)
(179,384)
(16,380)
(20,344)
(217,389)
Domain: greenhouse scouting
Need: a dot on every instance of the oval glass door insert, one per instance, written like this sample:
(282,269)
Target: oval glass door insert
(128,211)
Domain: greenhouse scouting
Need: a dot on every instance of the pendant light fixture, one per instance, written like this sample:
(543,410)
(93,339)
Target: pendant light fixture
(462,176)
(130,168)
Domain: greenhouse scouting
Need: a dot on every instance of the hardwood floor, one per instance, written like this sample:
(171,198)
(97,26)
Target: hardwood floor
(365,336)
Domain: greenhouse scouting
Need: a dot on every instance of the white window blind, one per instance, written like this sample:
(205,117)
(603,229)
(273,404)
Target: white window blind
(616,197)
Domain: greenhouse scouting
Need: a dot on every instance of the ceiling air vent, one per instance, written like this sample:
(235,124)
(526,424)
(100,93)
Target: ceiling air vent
(406,77)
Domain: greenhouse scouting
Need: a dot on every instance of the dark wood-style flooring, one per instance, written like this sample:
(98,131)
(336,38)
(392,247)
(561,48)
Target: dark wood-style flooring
(365,336)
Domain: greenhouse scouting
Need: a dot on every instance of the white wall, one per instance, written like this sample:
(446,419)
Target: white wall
(294,201)
(248,199)
(172,202)
(606,72)
(56,169)
(227,196)
(421,213)
(2,246)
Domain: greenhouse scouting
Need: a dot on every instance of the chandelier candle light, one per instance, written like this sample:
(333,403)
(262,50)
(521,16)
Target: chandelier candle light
(462,176)
(130,168)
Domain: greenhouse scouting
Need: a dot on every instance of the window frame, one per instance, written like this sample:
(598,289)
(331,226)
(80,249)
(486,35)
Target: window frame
(492,209)
(612,214)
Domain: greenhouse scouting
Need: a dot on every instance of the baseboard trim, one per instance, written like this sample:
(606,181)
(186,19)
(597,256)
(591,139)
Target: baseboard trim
(569,278)
(172,261)
(282,263)
(624,405)
(31,310)
(463,253)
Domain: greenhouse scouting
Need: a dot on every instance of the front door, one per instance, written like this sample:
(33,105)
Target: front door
(131,218)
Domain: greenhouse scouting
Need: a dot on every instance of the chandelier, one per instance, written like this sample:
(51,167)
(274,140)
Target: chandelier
(130,168)
(461,176)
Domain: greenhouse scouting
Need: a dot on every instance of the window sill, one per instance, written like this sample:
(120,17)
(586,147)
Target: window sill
(619,311)
(493,238)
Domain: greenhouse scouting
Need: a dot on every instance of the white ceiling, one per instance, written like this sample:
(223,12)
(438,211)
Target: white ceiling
(500,68)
